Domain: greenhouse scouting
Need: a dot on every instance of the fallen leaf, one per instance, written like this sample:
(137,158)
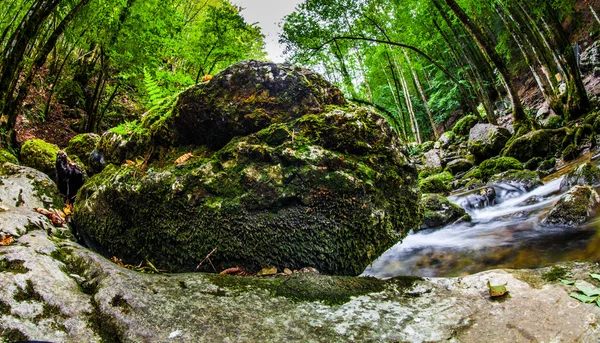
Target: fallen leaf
(235,271)
(287,271)
(583,298)
(56,217)
(595,276)
(496,291)
(184,158)
(68,210)
(590,292)
(7,240)
(206,78)
(568,282)
(130,162)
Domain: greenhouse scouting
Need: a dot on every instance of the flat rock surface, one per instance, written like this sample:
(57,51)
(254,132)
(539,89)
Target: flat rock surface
(56,290)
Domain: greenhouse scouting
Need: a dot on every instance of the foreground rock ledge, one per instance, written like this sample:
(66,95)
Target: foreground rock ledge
(53,289)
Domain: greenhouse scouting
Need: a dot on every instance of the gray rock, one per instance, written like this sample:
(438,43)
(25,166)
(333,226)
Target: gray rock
(447,138)
(459,165)
(487,140)
(590,59)
(432,159)
(577,206)
(440,212)
(585,175)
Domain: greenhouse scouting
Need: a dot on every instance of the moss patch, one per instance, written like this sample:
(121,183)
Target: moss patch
(37,154)
(28,293)
(4,308)
(440,183)
(330,290)
(464,125)
(6,156)
(498,165)
(555,274)
(105,326)
(13,266)
(12,335)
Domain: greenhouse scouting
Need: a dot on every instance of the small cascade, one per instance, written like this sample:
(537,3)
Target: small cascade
(505,232)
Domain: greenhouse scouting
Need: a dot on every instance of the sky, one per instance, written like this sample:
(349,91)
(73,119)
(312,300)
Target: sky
(268,14)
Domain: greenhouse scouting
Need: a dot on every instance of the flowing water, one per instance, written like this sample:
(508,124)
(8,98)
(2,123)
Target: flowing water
(506,235)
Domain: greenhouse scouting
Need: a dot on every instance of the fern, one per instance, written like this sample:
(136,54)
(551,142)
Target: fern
(156,95)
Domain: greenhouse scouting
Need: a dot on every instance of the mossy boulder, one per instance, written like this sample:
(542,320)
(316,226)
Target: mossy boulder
(40,155)
(570,153)
(458,166)
(487,140)
(330,190)
(464,125)
(586,174)
(526,180)
(524,148)
(447,138)
(498,165)
(439,212)
(438,183)
(7,156)
(82,146)
(574,208)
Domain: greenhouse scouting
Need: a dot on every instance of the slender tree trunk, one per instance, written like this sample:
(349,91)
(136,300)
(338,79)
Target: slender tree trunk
(411,111)
(593,11)
(422,93)
(519,117)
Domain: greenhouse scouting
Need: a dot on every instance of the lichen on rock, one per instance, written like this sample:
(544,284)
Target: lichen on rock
(573,208)
(306,183)
(40,155)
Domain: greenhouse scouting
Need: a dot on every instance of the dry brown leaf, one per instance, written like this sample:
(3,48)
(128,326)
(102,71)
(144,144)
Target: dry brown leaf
(235,271)
(117,261)
(184,158)
(130,162)
(7,240)
(206,78)
(56,217)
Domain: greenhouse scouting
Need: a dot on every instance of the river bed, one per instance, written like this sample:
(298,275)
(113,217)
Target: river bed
(506,235)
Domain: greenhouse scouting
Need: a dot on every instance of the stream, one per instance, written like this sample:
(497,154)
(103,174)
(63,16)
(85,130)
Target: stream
(506,235)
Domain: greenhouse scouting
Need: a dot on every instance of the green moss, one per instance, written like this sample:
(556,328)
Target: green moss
(464,125)
(301,287)
(474,173)
(531,145)
(555,123)
(12,335)
(498,165)
(13,266)
(474,183)
(77,265)
(105,326)
(81,146)
(533,163)
(37,154)
(570,152)
(439,183)
(49,311)
(28,293)
(119,301)
(429,172)
(548,164)
(6,156)
(4,308)
(555,274)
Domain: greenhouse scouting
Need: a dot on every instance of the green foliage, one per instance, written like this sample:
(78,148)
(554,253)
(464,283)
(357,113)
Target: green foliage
(585,294)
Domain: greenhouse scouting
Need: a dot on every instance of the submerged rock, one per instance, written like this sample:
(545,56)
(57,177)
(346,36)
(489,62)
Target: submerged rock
(325,189)
(586,174)
(487,140)
(482,198)
(440,212)
(574,208)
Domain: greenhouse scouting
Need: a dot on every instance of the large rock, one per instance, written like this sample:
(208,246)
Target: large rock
(586,174)
(330,190)
(590,59)
(432,159)
(574,208)
(439,212)
(487,140)
(534,144)
(53,289)
(40,155)
(464,125)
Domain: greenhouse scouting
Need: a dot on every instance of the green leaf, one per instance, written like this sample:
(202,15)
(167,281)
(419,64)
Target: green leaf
(568,282)
(595,276)
(588,291)
(583,298)
(497,291)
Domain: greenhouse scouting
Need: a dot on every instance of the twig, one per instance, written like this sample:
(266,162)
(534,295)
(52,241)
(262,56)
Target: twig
(206,258)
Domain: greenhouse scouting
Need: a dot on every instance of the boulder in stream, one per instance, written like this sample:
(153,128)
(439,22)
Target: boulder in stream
(586,174)
(574,208)
(439,212)
(303,184)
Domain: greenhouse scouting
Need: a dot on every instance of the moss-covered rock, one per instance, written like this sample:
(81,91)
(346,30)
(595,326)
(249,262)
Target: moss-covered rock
(440,212)
(524,148)
(586,174)
(82,146)
(37,154)
(555,122)
(525,180)
(498,165)
(574,208)
(570,152)
(487,140)
(464,125)
(438,183)
(447,138)
(458,166)
(331,190)
(6,156)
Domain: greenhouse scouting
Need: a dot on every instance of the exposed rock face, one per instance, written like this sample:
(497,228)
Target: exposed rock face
(590,59)
(487,140)
(440,212)
(585,175)
(573,208)
(326,189)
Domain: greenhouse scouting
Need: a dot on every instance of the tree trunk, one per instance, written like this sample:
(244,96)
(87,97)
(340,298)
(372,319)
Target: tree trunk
(422,93)
(519,117)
